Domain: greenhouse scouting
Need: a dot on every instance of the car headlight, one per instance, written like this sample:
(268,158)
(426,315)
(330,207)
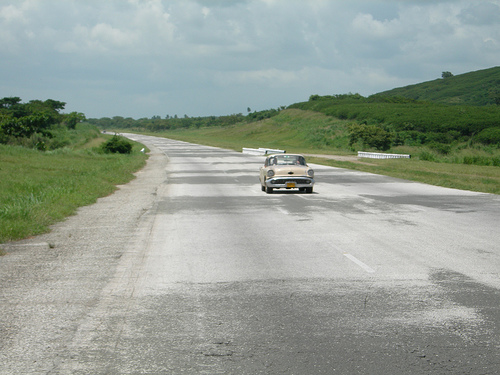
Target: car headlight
(270,173)
(310,173)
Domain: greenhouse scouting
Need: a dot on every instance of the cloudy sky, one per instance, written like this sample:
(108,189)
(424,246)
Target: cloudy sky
(143,58)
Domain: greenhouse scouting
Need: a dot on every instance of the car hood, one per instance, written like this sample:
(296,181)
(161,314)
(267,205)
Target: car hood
(290,170)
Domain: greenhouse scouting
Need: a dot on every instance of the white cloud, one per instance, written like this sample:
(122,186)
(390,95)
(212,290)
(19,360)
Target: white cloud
(481,13)
(270,77)
(103,38)
(11,13)
(372,28)
(219,56)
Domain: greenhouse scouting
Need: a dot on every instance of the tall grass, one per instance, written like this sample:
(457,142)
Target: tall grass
(38,188)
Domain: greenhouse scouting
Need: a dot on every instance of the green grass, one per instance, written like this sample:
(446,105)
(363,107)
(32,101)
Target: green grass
(38,189)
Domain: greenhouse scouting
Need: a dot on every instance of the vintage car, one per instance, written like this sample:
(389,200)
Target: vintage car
(286,171)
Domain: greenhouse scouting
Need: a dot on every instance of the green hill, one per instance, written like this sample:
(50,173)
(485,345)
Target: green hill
(480,88)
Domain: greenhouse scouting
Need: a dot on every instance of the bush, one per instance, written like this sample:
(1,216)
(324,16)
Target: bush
(443,149)
(371,136)
(482,160)
(427,156)
(489,136)
(117,144)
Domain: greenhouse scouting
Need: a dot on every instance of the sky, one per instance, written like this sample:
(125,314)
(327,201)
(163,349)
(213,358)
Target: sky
(144,58)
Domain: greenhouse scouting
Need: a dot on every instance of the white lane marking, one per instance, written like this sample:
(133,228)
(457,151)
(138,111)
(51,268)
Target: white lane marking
(366,267)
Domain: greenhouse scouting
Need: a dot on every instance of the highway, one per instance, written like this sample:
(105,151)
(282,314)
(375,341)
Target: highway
(192,269)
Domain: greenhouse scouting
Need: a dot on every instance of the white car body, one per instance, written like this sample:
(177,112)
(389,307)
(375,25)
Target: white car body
(286,171)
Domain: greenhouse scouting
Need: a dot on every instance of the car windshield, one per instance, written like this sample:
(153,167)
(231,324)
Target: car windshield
(287,160)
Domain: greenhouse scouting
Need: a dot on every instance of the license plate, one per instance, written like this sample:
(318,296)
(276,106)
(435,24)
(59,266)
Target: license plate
(290,184)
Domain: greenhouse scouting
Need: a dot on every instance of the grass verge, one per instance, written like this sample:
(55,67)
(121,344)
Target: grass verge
(38,189)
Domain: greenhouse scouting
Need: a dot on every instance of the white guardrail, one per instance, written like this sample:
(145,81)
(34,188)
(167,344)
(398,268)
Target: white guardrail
(262,151)
(377,155)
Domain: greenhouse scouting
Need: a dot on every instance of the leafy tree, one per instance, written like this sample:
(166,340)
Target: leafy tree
(34,123)
(25,126)
(55,105)
(446,75)
(48,108)
(371,136)
(489,136)
(74,118)
(9,102)
(12,106)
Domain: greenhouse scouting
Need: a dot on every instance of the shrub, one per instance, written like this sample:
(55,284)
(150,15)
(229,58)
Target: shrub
(371,136)
(427,156)
(443,149)
(117,144)
(489,136)
(480,160)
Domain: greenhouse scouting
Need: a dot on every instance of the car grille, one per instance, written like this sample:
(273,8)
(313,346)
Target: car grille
(282,181)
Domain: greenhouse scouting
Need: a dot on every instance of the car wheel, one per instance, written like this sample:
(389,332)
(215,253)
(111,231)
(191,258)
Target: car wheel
(309,190)
(269,190)
(262,187)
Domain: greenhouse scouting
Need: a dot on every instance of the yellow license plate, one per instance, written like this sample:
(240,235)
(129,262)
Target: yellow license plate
(290,184)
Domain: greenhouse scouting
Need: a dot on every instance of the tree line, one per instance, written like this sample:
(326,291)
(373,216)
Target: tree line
(158,124)
(35,123)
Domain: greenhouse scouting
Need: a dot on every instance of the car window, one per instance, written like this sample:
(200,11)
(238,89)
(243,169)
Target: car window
(285,160)
(290,160)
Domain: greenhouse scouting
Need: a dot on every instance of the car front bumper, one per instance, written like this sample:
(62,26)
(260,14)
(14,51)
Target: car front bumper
(279,182)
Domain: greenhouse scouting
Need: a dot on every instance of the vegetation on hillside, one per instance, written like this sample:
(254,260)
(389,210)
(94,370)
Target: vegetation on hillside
(481,87)
(382,123)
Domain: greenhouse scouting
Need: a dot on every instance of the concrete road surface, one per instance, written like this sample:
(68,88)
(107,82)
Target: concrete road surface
(192,269)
